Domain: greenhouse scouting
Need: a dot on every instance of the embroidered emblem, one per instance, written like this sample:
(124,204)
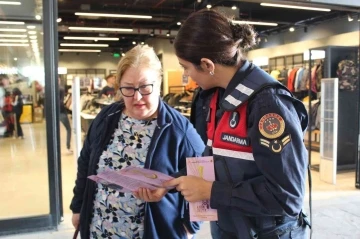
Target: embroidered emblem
(234,120)
(276,145)
(271,126)
(235,139)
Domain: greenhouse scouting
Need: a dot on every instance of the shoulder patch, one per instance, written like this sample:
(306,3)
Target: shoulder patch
(271,126)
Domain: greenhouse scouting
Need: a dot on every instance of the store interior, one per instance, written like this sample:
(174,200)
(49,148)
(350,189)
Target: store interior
(314,52)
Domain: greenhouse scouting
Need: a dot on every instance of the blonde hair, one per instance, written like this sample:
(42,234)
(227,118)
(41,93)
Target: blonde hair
(139,56)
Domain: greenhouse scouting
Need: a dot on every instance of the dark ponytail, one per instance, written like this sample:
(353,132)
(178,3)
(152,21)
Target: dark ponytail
(209,34)
(244,34)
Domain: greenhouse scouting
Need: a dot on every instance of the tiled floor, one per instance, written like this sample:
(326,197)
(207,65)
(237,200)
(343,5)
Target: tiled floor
(23,177)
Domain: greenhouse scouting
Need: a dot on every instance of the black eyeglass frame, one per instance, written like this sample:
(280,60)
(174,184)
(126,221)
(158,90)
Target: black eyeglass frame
(136,89)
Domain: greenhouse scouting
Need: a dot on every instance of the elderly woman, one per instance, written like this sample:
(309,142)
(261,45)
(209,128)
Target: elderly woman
(138,130)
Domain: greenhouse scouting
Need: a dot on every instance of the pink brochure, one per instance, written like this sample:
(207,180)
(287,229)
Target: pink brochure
(147,176)
(201,167)
(129,184)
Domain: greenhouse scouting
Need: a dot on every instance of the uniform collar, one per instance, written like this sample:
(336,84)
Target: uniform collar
(239,77)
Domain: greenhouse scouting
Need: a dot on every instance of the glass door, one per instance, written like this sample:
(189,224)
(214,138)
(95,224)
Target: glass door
(30,185)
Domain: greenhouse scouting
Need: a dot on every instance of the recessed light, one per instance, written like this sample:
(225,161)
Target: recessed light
(14,40)
(178,23)
(88,45)
(78,50)
(208,6)
(12,23)
(101,29)
(13,35)
(12,30)
(233,7)
(32,32)
(92,38)
(59,19)
(9,3)
(292,29)
(111,15)
(295,7)
(134,43)
(38,17)
(15,59)
(30,27)
(255,23)
(13,44)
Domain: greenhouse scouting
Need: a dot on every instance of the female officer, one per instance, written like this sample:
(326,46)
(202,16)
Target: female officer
(255,133)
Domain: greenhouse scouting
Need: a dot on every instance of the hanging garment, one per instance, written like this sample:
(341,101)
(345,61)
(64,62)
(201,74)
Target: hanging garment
(348,75)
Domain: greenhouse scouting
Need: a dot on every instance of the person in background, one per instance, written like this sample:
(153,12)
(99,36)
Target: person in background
(142,131)
(109,89)
(18,110)
(255,131)
(64,118)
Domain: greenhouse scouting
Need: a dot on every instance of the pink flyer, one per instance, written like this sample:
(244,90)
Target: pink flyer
(202,167)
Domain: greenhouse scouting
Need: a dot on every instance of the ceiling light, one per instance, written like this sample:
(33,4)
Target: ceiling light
(14,40)
(142,43)
(93,38)
(33,40)
(12,23)
(12,30)
(33,37)
(111,15)
(292,29)
(122,54)
(233,7)
(13,44)
(32,32)
(101,29)
(134,43)
(89,45)
(255,23)
(9,3)
(38,17)
(208,6)
(295,7)
(78,50)
(59,19)
(15,59)
(12,35)
(178,23)
(31,27)
(167,34)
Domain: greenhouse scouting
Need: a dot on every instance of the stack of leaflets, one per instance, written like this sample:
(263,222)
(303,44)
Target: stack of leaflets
(131,179)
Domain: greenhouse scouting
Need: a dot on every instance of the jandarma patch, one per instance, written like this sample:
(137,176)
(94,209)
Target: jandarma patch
(271,126)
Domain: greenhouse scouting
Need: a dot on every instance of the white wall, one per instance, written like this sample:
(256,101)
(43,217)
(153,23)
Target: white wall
(169,59)
(71,60)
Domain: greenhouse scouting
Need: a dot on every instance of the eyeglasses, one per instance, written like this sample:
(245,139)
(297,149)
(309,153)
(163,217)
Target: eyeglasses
(143,90)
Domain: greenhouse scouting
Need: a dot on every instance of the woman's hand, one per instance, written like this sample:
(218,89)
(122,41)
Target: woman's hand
(148,195)
(75,220)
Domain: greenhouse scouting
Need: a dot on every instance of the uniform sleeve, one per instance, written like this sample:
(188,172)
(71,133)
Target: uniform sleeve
(276,123)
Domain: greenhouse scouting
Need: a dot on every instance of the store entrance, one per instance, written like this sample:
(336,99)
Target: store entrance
(29,161)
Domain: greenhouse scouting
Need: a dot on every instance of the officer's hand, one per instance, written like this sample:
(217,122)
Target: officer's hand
(193,188)
(148,195)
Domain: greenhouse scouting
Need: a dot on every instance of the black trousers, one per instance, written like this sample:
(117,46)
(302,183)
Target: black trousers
(18,125)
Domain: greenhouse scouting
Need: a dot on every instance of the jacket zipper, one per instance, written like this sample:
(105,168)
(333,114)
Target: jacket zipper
(157,133)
